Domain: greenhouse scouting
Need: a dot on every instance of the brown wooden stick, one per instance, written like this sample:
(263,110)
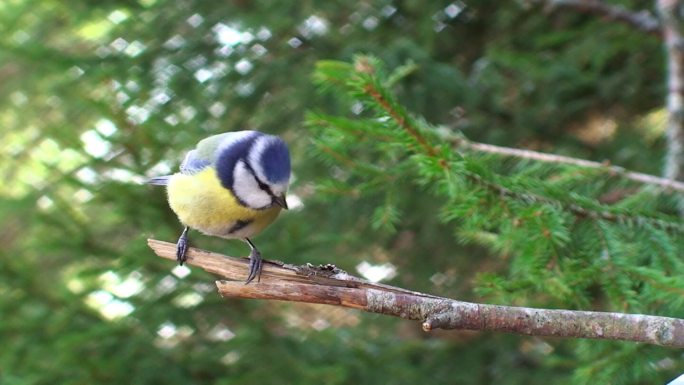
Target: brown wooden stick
(331,286)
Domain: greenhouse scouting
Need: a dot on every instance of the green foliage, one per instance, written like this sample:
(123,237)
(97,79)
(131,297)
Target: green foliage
(566,249)
(96,96)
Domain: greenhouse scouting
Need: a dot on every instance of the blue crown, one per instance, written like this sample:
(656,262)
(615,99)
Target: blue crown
(275,160)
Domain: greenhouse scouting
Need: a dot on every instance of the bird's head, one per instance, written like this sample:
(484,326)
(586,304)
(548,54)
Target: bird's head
(256,169)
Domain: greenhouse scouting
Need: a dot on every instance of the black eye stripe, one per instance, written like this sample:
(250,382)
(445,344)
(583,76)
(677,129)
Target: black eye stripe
(261,184)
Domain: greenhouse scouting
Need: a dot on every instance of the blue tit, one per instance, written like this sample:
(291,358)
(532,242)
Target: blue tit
(231,185)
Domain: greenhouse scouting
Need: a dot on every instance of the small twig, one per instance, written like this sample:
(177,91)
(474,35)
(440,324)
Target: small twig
(551,158)
(329,285)
(642,20)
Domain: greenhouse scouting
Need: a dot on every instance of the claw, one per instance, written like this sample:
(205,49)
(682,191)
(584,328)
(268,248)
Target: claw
(255,263)
(182,247)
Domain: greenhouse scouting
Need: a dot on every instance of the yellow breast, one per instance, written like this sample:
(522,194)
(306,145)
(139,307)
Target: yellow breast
(203,204)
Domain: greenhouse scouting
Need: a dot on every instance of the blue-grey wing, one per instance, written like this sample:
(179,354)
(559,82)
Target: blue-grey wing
(193,163)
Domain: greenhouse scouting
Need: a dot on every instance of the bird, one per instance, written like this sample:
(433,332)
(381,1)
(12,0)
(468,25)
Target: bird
(231,185)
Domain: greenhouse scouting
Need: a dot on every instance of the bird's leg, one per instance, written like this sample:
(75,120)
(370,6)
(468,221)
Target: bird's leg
(255,262)
(182,247)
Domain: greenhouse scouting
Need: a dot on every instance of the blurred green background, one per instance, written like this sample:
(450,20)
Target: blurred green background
(96,96)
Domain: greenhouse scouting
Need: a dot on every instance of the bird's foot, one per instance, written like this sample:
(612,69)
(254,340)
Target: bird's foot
(255,264)
(182,247)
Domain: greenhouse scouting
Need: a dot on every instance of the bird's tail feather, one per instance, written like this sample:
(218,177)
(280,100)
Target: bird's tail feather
(159,180)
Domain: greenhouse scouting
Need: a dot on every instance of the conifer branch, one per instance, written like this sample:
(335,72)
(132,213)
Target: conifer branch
(404,121)
(641,20)
(331,286)
(400,118)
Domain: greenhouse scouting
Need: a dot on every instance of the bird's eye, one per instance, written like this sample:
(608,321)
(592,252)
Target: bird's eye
(263,185)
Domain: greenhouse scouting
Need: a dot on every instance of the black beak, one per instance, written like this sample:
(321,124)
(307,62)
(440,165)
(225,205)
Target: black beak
(280,201)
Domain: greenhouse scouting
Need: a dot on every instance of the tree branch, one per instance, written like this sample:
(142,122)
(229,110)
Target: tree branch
(642,20)
(551,158)
(329,285)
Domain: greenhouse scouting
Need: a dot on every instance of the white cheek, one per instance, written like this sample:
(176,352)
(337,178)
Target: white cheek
(247,189)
